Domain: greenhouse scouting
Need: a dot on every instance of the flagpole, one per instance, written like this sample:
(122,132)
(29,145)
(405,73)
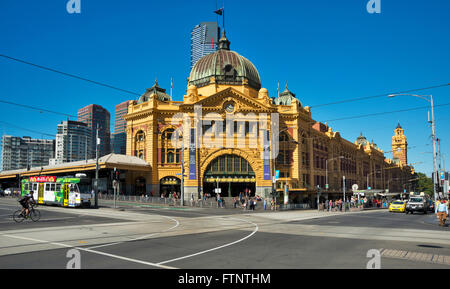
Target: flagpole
(278,89)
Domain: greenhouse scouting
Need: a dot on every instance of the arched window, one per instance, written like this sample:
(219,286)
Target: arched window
(167,134)
(229,165)
(170,158)
(170,154)
(140,144)
(140,136)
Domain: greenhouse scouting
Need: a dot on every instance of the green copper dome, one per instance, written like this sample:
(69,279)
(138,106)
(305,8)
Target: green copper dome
(227,67)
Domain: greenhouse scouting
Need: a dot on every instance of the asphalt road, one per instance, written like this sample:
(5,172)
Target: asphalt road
(163,238)
(382,219)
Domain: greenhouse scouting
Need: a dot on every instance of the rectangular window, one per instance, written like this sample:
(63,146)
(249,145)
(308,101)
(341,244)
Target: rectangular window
(244,167)
(215,166)
(237,164)
(229,164)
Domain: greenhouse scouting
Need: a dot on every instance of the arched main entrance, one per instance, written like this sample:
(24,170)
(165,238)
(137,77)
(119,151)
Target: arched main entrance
(232,174)
(170,185)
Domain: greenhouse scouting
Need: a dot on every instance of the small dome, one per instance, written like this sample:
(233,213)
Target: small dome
(362,140)
(157,91)
(286,97)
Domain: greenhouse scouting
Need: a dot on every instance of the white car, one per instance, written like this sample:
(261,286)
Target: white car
(11,191)
(8,192)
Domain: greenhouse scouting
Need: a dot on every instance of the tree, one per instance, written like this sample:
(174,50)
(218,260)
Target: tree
(423,184)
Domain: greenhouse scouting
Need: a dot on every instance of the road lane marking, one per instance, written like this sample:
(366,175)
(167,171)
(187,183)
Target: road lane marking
(216,248)
(92,251)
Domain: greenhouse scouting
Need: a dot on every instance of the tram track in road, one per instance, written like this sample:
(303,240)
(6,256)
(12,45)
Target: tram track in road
(177,223)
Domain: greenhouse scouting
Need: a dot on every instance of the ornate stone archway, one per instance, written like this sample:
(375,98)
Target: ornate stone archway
(253,160)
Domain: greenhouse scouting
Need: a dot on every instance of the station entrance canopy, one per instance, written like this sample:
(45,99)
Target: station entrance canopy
(369,192)
(111,161)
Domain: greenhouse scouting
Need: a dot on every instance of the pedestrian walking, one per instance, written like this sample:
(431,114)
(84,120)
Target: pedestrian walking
(437,206)
(442,212)
(265,204)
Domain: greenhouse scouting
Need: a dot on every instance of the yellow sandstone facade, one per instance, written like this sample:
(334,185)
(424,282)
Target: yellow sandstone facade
(226,128)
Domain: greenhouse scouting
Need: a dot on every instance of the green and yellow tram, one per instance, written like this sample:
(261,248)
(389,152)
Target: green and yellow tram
(62,191)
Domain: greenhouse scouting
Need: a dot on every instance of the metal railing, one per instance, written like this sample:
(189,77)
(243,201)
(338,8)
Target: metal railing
(227,203)
(294,206)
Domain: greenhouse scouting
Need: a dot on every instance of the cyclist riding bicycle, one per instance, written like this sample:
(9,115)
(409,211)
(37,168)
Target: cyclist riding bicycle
(25,201)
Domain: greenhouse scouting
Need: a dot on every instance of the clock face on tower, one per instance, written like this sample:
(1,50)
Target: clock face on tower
(399,149)
(229,107)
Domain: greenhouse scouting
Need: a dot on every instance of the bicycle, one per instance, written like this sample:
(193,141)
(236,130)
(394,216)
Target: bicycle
(33,214)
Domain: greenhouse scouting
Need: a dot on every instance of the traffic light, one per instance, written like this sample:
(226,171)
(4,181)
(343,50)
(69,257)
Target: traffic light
(274,193)
(438,188)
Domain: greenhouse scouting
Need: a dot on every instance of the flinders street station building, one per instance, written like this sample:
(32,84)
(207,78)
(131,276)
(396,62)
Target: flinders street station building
(229,133)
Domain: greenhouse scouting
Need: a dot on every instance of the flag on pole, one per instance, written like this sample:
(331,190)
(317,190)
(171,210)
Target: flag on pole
(171,87)
(219,11)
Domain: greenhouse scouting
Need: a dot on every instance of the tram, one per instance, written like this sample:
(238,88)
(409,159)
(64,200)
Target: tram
(61,191)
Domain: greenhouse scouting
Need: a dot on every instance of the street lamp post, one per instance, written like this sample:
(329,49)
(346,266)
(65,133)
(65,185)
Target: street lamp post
(428,98)
(96,168)
(368,177)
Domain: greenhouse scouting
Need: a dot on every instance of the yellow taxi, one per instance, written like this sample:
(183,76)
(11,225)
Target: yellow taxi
(397,206)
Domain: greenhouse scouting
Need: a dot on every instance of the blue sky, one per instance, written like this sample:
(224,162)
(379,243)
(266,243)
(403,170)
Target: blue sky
(325,50)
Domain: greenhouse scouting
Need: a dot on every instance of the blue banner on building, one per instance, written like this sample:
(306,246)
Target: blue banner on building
(192,156)
(267,174)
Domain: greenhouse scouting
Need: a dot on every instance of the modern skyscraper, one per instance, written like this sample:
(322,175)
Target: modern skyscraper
(92,115)
(73,142)
(204,40)
(119,137)
(20,153)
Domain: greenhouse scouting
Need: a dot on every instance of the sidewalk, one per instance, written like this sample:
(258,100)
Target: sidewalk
(285,215)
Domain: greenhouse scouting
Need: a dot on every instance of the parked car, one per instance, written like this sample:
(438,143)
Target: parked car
(8,192)
(12,191)
(417,204)
(397,206)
